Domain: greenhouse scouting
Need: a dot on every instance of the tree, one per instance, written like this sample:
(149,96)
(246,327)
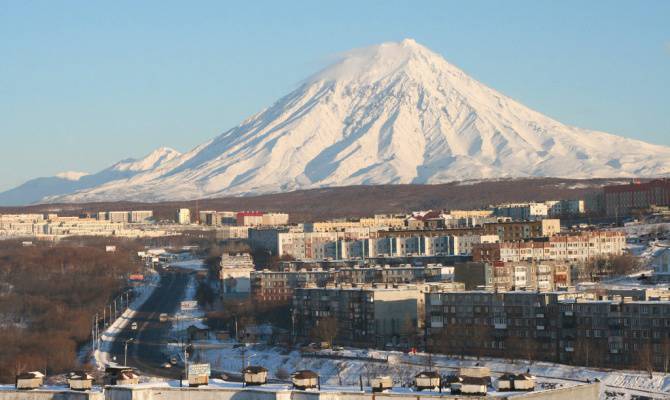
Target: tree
(325,330)
(645,358)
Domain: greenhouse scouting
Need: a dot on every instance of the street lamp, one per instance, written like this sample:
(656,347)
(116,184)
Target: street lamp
(125,351)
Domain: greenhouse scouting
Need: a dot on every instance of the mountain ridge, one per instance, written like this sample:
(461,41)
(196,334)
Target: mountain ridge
(391,113)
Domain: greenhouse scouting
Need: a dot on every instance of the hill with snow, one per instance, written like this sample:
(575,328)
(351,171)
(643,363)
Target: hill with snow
(388,114)
(68,182)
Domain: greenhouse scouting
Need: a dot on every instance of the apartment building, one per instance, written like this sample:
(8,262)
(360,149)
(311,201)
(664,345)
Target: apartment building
(559,208)
(521,230)
(260,218)
(141,216)
(384,221)
(118,216)
(379,315)
(505,230)
(278,286)
(232,232)
(320,245)
(566,327)
(265,239)
(522,211)
(183,216)
(580,247)
(500,324)
(620,200)
(218,218)
(235,274)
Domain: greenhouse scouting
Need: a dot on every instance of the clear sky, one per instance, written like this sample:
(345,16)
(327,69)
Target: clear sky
(84,84)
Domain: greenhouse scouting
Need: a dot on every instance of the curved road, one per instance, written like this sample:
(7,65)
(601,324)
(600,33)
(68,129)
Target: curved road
(146,351)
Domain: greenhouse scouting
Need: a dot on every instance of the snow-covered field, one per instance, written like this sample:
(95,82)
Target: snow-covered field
(348,366)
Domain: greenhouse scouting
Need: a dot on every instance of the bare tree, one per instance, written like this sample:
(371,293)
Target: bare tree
(325,330)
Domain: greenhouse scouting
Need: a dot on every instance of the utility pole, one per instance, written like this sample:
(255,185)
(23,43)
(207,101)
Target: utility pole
(125,351)
(185,363)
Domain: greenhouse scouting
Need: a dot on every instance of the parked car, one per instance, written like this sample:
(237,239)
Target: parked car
(133,326)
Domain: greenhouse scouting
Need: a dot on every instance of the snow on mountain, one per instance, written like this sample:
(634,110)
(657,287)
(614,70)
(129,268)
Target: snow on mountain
(71,175)
(68,182)
(391,113)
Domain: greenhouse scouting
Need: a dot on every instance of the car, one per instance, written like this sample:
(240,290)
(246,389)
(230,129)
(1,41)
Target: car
(338,348)
(167,365)
(173,360)
(133,326)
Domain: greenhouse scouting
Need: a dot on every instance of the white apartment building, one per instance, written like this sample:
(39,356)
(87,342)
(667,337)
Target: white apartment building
(557,208)
(232,232)
(581,247)
(466,243)
(141,216)
(184,216)
(117,216)
(522,211)
(274,219)
(235,274)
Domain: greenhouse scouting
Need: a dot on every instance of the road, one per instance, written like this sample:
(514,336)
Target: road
(146,351)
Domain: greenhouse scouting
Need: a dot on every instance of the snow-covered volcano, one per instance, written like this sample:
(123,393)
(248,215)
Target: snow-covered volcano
(391,113)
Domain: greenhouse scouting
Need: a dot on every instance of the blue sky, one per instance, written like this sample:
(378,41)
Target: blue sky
(84,84)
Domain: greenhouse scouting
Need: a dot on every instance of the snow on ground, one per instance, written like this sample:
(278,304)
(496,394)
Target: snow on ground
(197,264)
(347,366)
(184,318)
(101,356)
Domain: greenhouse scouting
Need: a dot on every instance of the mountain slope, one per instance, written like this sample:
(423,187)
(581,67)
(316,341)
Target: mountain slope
(64,183)
(392,113)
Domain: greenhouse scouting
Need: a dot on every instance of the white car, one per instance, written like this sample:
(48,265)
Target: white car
(167,365)
(133,326)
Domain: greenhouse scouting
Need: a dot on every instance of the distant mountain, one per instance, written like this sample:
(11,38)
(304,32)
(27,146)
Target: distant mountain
(68,182)
(388,114)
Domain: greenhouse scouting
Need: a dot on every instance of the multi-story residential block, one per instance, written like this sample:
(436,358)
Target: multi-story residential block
(235,274)
(278,286)
(377,315)
(117,216)
(504,324)
(520,230)
(567,327)
(540,276)
(384,221)
(232,232)
(141,216)
(580,247)
(274,219)
(620,200)
(183,216)
(319,245)
(522,211)
(559,208)
(505,230)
